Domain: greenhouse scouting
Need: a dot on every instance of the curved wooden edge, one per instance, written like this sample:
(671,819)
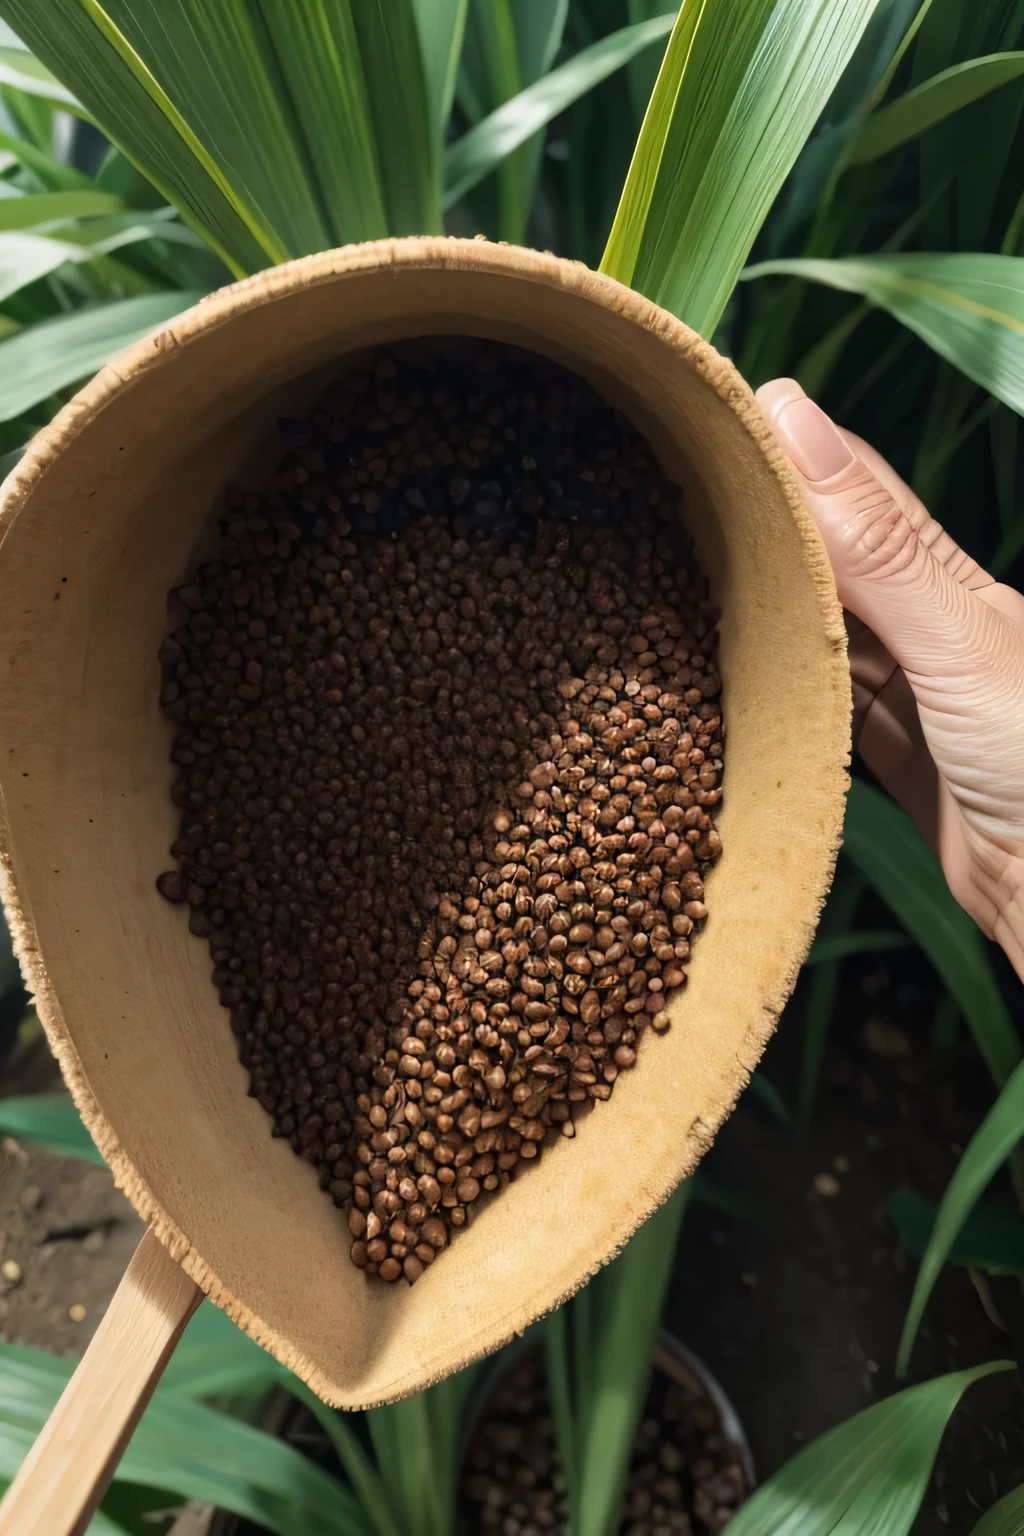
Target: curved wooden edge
(67,1471)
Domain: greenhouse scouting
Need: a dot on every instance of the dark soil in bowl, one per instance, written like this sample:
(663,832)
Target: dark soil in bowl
(685,1479)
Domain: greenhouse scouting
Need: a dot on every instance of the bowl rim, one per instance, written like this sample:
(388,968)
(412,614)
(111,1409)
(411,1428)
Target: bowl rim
(220,309)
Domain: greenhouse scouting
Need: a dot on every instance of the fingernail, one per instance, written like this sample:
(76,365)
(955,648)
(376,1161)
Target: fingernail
(813,442)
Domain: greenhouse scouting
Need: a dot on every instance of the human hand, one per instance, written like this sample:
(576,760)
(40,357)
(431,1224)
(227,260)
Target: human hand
(937,659)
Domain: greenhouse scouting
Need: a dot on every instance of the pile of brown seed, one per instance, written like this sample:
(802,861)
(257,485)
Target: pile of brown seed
(449,745)
(684,1479)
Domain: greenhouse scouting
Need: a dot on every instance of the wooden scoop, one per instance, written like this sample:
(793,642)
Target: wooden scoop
(99,521)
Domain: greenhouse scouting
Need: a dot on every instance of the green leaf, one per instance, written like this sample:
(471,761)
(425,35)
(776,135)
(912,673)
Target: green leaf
(493,52)
(45,207)
(370,1489)
(481,149)
(54,354)
(1005,1518)
(866,1476)
(442,26)
(216,1357)
(188,1448)
(556,1359)
(539,31)
(53,1121)
(78,39)
(99,237)
(102,1525)
(209,67)
(318,51)
(863,941)
(410,1467)
(989,1147)
(740,89)
(760,1087)
(21,71)
(887,76)
(53,175)
(926,104)
(31,116)
(408,150)
(969,307)
(25,258)
(628,1298)
(992,1237)
(118,174)
(891,854)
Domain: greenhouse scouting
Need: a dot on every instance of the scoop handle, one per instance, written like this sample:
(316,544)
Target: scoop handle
(67,1471)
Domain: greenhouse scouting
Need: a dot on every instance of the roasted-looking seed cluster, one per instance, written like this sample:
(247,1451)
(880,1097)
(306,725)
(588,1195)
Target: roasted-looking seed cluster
(449,746)
(684,1479)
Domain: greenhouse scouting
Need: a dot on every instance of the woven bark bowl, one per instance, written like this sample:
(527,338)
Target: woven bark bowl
(102,517)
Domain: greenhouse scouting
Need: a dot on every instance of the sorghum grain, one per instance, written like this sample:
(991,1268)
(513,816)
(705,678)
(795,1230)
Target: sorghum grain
(449,747)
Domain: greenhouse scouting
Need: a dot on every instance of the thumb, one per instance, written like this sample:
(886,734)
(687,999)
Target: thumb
(881,542)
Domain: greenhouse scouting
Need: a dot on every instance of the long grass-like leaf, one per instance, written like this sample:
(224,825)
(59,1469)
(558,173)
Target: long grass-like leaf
(449,1409)
(969,307)
(499,79)
(863,941)
(24,258)
(999,1133)
(367,1482)
(22,72)
(210,69)
(1005,1518)
(46,207)
(215,1357)
(556,1359)
(410,1464)
(441,25)
(52,1120)
(991,1238)
(408,150)
(865,1477)
(891,854)
(929,103)
(50,356)
(52,175)
(481,149)
(878,94)
(190,1449)
(318,52)
(129,104)
(629,1297)
(740,88)
(761,1088)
